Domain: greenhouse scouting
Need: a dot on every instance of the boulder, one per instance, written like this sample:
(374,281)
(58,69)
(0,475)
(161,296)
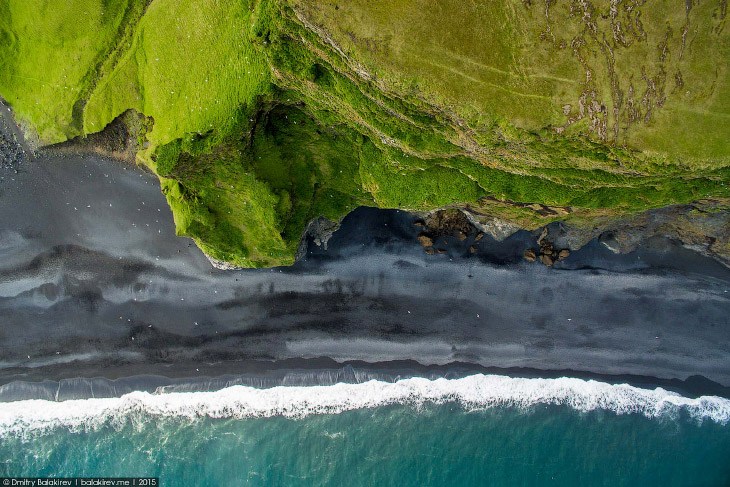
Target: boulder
(425,240)
(547,259)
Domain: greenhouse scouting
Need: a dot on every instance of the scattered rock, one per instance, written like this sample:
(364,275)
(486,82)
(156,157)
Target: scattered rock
(425,240)
(529,255)
(547,259)
(472,249)
(461,236)
(450,222)
(479,236)
(549,253)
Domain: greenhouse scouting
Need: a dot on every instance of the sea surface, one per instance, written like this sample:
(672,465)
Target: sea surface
(124,353)
(476,430)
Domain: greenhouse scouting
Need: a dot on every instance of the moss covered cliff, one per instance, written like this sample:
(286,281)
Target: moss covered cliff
(266,114)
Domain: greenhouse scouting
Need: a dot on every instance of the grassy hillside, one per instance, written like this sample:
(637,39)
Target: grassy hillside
(189,65)
(52,53)
(269,113)
(653,71)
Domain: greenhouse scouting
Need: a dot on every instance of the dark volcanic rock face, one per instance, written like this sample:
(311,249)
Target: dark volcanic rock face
(703,227)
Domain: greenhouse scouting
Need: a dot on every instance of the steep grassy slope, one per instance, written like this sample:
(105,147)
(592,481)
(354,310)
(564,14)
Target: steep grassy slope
(189,65)
(627,72)
(248,200)
(269,113)
(53,53)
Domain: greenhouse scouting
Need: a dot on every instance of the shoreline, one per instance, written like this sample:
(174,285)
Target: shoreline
(316,372)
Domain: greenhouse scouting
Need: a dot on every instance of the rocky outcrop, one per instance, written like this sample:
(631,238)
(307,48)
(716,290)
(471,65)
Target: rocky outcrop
(121,139)
(703,226)
(222,265)
(497,228)
(319,231)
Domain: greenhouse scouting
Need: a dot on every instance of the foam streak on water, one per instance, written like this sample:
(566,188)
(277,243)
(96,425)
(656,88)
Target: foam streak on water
(473,393)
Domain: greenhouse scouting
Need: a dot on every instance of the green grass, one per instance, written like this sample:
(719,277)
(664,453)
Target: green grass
(50,52)
(190,66)
(269,113)
(248,201)
(508,61)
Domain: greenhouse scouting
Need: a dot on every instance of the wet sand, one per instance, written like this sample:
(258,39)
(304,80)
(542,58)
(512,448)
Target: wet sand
(94,283)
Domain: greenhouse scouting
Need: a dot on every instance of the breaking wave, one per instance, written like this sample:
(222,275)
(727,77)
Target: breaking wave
(475,392)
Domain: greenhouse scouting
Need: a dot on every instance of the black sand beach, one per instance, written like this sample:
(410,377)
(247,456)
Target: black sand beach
(94,283)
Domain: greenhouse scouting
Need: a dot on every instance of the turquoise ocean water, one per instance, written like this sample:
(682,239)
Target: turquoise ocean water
(474,432)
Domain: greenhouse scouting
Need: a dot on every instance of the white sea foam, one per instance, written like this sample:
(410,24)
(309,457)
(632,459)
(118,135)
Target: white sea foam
(473,393)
